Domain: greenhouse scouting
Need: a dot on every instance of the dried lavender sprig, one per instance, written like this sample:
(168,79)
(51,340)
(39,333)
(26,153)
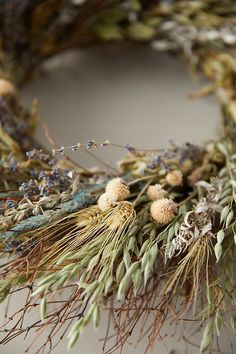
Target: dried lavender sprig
(95,144)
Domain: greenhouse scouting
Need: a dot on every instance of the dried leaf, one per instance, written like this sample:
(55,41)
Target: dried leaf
(218,251)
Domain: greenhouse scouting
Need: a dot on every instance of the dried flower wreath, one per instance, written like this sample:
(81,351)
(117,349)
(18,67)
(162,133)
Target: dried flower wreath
(160,234)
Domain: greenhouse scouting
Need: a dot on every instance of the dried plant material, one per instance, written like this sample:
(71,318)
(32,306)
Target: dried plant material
(117,189)
(163,210)
(156,191)
(105,202)
(59,235)
(174,178)
(7,88)
(195,176)
(198,223)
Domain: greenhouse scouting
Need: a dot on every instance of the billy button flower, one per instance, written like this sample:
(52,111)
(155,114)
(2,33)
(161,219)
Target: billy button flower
(174,178)
(156,191)
(7,88)
(105,202)
(163,210)
(117,190)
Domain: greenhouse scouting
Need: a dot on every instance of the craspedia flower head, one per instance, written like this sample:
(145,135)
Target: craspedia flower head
(156,191)
(105,202)
(174,178)
(117,189)
(163,210)
(7,88)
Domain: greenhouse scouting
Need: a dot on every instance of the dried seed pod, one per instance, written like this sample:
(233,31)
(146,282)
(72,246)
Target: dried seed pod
(7,88)
(174,178)
(163,210)
(105,202)
(156,191)
(117,189)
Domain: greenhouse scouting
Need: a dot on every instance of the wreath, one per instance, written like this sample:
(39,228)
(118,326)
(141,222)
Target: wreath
(157,240)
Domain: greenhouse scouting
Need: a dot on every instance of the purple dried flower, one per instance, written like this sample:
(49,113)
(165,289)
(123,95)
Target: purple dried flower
(11,203)
(90,144)
(129,148)
(29,188)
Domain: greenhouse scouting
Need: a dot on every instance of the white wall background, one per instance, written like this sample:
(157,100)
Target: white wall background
(124,94)
(128,95)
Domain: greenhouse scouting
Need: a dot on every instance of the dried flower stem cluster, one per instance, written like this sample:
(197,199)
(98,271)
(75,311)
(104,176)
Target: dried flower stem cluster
(163,210)
(116,191)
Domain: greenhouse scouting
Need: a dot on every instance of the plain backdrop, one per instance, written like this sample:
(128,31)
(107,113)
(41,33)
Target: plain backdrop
(127,94)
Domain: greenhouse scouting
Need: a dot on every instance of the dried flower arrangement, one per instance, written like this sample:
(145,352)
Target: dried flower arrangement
(163,231)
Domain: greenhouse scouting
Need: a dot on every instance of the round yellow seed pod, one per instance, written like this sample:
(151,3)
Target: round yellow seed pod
(156,191)
(7,88)
(105,202)
(174,178)
(163,210)
(117,189)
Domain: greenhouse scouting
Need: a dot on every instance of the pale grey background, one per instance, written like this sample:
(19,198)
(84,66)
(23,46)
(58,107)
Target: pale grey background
(127,94)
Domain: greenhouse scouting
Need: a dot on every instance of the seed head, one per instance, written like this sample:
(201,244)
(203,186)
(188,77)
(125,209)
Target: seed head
(7,88)
(163,210)
(156,191)
(117,189)
(174,178)
(105,202)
